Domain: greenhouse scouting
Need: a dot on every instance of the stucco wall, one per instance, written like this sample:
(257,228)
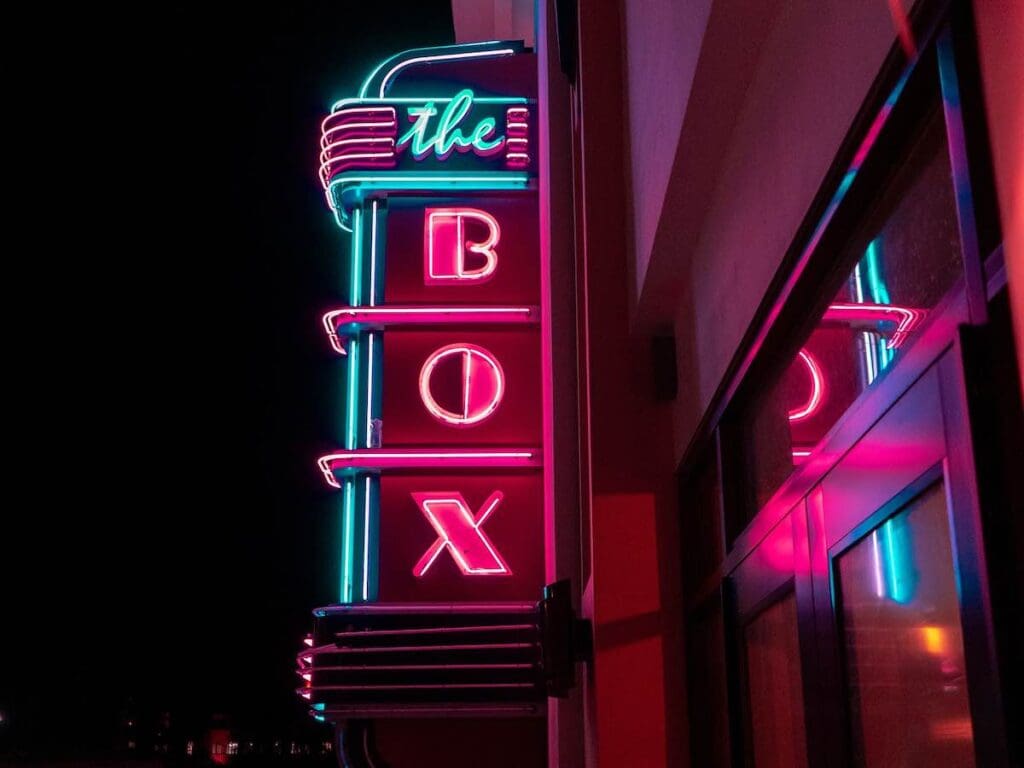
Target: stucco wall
(1000,26)
(663,44)
(814,69)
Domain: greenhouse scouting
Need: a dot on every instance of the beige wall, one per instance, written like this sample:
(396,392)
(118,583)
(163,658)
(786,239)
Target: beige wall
(663,46)
(758,119)
(1000,26)
(480,20)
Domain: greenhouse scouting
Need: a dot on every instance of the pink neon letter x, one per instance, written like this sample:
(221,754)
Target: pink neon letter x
(459,532)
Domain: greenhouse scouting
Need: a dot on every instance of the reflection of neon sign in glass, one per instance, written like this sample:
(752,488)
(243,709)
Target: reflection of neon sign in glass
(817,394)
(446,245)
(904,321)
(481,380)
(447,136)
(459,532)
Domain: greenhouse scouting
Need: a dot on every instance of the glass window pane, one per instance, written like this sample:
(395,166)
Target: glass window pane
(775,687)
(905,257)
(904,649)
(707,683)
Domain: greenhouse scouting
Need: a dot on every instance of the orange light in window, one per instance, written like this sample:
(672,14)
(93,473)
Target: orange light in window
(954,729)
(935,640)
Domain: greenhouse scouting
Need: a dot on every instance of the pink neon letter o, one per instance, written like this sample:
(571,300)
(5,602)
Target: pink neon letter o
(483,384)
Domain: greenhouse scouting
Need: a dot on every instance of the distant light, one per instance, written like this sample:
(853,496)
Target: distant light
(935,640)
(319,718)
(308,640)
(954,729)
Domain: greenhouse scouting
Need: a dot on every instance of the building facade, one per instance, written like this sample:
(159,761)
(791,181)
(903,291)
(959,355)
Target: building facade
(800,540)
(782,248)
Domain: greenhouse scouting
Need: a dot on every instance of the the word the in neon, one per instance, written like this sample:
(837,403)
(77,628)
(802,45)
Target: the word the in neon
(445,135)
(446,244)
(458,531)
(481,381)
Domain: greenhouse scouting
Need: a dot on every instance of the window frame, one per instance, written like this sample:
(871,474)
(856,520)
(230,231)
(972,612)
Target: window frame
(945,29)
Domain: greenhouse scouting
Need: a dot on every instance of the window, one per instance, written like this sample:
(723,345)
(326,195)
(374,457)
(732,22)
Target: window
(774,687)
(905,664)
(852,462)
(894,268)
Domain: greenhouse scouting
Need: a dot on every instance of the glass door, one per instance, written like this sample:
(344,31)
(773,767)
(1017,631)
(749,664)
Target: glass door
(899,592)
(901,638)
(767,651)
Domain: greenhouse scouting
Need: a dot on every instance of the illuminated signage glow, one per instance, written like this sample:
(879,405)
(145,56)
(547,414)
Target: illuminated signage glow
(482,380)
(443,491)
(458,531)
(446,245)
(817,388)
(447,136)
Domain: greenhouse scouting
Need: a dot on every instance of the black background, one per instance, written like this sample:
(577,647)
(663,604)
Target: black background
(167,386)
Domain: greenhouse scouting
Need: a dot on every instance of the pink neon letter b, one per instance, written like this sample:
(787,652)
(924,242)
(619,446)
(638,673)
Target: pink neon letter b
(447,244)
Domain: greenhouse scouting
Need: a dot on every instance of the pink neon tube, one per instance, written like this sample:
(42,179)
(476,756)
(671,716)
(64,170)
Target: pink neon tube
(458,531)
(483,386)
(381,317)
(344,117)
(420,458)
(905,319)
(357,137)
(817,395)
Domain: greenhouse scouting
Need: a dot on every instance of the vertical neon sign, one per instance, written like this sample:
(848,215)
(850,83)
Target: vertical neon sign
(440,461)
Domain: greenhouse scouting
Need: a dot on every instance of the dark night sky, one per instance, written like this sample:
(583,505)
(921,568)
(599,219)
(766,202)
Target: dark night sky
(166,530)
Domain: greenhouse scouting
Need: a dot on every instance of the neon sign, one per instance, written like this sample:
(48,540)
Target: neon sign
(482,384)
(446,245)
(458,531)
(447,136)
(461,138)
(817,394)
(441,351)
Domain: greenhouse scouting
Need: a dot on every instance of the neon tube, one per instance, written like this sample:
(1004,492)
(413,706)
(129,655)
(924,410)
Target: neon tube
(435,59)
(448,136)
(406,608)
(817,389)
(446,246)
(458,531)
(366,539)
(355,186)
(906,319)
(482,390)
(346,541)
(392,315)
(418,458)
(406,55)
(389,100)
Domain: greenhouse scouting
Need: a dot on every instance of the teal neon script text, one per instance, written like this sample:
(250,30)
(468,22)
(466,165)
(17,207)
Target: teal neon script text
(447,136)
